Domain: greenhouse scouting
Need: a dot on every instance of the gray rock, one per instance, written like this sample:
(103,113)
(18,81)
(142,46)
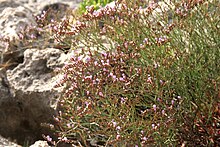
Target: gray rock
(38,5)
(33,79)
(4,86)
(7,143)
(13,19)
(8,3)
(40,144)
(28,99)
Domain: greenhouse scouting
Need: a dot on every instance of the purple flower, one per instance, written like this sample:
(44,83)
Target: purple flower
(114,123)
(64,139)
(153,126)
(97,80)
(48,138)
(87,92)
(144,138)
(118,128)
(118,136)
(114,77)
(33,36)
(79,58)
(104,54)
(121,79)
(68,125)
(87,59)
(104,69)
(146,41)
(149,79)
(172,102)
(95,63)
(56,119)
(88,77)
(122,100)
(159,99)
(163,112)
(101,94)
(155,107)
(107,61)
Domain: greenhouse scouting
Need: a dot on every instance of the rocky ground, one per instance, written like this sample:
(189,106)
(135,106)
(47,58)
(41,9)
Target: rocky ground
(27,96)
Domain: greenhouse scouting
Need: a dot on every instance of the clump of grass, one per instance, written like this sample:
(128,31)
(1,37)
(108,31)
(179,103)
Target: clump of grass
(154,83)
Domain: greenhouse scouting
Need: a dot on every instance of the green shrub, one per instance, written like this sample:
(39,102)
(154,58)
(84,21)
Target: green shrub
(96,3)
(140,77)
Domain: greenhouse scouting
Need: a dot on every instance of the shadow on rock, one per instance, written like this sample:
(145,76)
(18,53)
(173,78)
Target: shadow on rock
(22,123)
(27,97)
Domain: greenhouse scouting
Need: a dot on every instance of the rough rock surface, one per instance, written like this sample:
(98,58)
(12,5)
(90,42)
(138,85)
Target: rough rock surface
(27,97)
(13,19)
(7,143)
(8,3)
(40,144)
(33,79)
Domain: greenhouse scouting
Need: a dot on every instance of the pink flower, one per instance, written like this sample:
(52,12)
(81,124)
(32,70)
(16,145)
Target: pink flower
(64,139)
(48,138)
(144,138)
(118,128)
(163,112)
(153,126)
(68,125)
(88,77)
(114,77)
(121,79)
(172,102)
(118,137)
(149,80)
(79,58)
(155,107)
(56,119)
(111,74)
(87,92)
(95,63)
(101,94)
(114,123)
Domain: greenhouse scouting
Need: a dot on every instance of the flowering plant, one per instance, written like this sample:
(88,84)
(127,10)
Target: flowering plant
(138,71)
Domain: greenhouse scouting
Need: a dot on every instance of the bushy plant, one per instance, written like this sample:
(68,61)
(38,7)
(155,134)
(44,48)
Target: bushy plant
(95,3)
(140,77)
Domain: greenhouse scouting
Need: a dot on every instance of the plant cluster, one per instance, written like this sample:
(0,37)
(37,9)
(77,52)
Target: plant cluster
(156,83)
(95,3)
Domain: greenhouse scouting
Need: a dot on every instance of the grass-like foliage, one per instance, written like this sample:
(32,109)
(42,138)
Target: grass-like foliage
(142,74)
(95,3)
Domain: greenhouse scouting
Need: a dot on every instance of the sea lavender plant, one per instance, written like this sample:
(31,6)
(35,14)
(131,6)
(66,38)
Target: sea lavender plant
(159,70)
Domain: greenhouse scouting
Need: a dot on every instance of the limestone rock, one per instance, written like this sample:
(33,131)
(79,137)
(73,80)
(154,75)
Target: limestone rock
(39,5)
(7,143)
(28,98)
(33,79)
(13,19)
(8,3)
(40,144)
